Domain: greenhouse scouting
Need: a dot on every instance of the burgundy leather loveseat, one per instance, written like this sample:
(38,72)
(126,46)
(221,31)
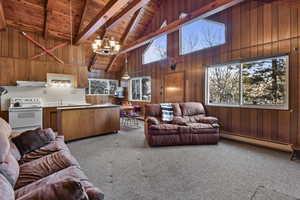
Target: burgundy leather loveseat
(189,126)
(47,173)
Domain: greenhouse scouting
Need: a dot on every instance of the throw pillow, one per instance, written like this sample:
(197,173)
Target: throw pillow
(68,188)
(31,140)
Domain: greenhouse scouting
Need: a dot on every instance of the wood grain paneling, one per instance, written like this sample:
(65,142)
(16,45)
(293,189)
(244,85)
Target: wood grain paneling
(253,29)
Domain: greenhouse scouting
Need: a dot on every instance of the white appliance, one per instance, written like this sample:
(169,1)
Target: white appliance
(25,113)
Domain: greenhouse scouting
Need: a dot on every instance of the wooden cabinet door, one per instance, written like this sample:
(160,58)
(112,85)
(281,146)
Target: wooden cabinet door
(50,118)
(174,87)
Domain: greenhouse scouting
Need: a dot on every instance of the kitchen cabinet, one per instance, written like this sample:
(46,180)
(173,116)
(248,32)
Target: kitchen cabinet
(86,121)
(50,118)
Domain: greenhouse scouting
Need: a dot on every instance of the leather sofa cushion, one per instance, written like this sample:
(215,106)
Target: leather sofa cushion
(71,172)
(180,121)
(176,109)
(44,166)
(202,128)
(9,168)
(14,150)
(164,129)
(153,110)
(56,145)
(31,140)
(6,190)
(193,118)
(192,108)
(5,128)
(5,131)
(68,188)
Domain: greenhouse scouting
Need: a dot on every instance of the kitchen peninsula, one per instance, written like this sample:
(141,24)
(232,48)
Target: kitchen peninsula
(79,122)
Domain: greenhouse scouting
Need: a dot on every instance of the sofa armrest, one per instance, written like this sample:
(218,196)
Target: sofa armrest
(152,121)
(209,120)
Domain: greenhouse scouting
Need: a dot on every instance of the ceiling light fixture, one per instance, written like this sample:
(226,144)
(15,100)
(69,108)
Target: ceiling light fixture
(106,46)
(126,76)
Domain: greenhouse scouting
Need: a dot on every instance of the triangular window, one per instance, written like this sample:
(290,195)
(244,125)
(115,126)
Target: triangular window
(157,49)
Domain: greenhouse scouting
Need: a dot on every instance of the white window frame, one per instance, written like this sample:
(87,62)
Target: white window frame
(148,46)
(141,88)
(99,79)
(192,21)
(241,105)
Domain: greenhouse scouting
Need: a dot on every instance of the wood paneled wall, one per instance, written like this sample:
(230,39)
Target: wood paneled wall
(16,63)
(253,29)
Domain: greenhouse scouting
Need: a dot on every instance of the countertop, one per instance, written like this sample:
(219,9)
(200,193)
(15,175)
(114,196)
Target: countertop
(88,106)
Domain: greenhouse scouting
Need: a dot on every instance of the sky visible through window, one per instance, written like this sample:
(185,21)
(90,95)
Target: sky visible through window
(201,34)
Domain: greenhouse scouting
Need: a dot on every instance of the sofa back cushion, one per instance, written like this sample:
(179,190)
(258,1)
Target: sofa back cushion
(10,169)
(192,108)
(5,131)
(153,110)
(176,110)
(6,190)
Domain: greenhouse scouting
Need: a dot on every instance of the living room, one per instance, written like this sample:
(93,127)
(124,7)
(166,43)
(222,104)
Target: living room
(149,99)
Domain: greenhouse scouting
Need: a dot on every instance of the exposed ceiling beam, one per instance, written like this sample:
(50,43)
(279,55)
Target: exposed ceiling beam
(204,11)
(133,21)
(109,10)
(84,9)
(131,8)
(48,14)
(2,17)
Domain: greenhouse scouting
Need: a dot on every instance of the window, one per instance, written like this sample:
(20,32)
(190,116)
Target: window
(157,49)
(201,34)
(102,87)
(140,89)
(260,83)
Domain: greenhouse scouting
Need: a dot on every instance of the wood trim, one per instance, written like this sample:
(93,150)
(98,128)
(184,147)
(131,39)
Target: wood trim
(203,12)
(2,17)
(124,37)
(109,10)
(258,142)
(48,14)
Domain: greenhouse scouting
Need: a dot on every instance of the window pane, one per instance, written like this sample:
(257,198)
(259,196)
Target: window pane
(136,90)
(146,89)
(113,86)
(201,34)
(156,51)
(99,87)
(223,84)
(265,81)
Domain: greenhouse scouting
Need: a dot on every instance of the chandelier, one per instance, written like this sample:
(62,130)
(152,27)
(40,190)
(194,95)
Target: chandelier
(106,46)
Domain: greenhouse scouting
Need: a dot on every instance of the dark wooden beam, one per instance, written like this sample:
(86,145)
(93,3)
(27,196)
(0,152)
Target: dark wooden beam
(48,14)
(84,9)
(131,8)
(124,37)
(2,17)
(204,11)
(109,10)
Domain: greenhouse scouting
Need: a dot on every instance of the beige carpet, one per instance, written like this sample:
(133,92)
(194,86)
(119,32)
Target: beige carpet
(127,169)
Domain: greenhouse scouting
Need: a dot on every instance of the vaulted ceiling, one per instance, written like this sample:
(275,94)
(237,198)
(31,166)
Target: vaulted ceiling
(80,21)
(71,19)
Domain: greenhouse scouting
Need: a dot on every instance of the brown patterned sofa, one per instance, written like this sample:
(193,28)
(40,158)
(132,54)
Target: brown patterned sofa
(189,126)
(47,173)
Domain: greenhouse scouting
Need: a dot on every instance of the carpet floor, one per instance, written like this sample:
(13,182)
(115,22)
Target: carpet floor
(125,168)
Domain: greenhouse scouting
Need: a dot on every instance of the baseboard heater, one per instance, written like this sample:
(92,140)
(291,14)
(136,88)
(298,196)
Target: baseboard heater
(264,143)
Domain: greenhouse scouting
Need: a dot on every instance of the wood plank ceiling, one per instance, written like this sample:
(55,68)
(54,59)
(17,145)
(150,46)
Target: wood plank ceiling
(52,19)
